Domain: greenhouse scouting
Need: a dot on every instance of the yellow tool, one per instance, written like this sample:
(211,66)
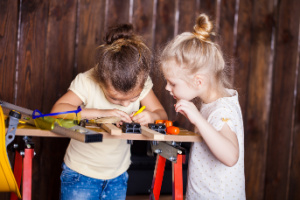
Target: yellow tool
(8,182)
(140,110)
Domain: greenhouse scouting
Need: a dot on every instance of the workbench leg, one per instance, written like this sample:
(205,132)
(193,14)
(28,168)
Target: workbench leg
(27,173)
(17,172)
(158,177)
(177,179)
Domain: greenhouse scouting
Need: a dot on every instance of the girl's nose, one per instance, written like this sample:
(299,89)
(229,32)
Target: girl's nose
(125,103)
(168,88)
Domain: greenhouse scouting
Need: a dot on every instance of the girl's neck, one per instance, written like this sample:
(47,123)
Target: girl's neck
(212,95)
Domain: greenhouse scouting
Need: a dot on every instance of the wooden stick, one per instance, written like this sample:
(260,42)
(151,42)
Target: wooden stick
(152,134)
(105,120)
(112,129)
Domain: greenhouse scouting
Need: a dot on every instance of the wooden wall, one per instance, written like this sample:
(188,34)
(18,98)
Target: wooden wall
(44,44)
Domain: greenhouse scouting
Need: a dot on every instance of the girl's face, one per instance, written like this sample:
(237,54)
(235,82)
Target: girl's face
(120,98)
(178,87)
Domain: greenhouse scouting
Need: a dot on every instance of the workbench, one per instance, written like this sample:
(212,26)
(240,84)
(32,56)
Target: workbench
(147,134)
(21,123)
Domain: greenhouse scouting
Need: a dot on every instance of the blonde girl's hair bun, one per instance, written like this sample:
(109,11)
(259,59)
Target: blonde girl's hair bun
(203,28)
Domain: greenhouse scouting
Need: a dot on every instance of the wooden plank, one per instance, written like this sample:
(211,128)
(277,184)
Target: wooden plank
(186,20)
(142,20)
(285,76)
(295,174)
(152,134)
(90,32)
(207,7)
(60,51)
(117,13)
(225,29)
(111,120)
(294,184)
(242,65)
(111,129)
(32,54)
(8,51)
(258,98)
(293,192)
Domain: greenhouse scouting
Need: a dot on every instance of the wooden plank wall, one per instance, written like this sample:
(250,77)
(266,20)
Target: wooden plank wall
(44,44)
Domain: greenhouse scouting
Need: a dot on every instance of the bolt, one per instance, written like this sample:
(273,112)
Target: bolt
(16,146)
(172,158)
(22,153)
(158,151)
(179,152)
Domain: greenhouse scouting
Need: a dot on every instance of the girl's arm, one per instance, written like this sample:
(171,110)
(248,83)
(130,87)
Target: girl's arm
(153,111)
(223,144)
(70,101)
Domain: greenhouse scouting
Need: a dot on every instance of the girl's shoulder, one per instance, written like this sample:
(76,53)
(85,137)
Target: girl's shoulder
(224,110)
(225,104)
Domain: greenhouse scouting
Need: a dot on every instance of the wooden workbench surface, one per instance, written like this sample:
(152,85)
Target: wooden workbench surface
(147,134)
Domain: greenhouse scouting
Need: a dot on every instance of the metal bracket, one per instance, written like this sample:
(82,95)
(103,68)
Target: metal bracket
(168,150)
(13,119)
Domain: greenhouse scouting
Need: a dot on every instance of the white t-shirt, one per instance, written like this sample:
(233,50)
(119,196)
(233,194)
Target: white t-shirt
(208,178)
(111,157)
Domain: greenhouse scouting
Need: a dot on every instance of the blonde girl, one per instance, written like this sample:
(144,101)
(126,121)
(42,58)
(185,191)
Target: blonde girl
(194,67)
(116,86)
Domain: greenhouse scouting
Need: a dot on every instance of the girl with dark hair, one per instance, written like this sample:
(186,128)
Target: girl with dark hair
(117,86)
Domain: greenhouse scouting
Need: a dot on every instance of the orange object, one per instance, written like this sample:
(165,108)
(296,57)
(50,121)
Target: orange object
(160,121)
(173,130)
(177,178)
(168,123)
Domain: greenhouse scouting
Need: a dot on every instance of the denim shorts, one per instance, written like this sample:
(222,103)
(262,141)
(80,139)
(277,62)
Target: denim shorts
(75,186)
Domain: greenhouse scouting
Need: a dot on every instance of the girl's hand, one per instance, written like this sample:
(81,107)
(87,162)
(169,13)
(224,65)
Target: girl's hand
(188,109)
(142,118)
(115,112)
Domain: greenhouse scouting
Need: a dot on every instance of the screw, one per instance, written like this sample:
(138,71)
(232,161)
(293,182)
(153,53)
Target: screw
(158,151)
(172,158)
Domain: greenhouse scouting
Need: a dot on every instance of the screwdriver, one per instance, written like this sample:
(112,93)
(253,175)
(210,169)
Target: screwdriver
(140,110)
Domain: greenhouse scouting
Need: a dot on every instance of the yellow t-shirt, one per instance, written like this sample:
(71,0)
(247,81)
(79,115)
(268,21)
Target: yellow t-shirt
(111,157)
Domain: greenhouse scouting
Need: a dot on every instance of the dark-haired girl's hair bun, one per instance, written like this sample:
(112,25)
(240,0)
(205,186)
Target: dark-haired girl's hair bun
(203,28)
(124,31)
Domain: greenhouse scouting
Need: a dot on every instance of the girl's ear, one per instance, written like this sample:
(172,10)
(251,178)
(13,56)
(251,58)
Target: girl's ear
(198,81)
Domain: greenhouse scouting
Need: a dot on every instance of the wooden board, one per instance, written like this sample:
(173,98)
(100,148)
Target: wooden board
(147,134)
(112,129)
(152,134)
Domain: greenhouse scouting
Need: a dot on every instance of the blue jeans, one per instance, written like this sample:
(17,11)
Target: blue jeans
(77,186)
